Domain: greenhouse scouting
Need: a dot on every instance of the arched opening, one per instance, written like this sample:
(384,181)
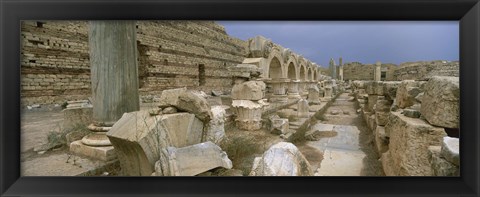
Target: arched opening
(291,71)
(302,73)
(275,69)
(309,76)
(315,76)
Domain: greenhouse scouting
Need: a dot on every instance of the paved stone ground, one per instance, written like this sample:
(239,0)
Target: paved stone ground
(35,127)
(350,151)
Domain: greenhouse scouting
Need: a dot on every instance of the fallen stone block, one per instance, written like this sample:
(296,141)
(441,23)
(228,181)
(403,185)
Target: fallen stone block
(319,131)
(441,102)
(406,93)
(440,166)
(281,159)
(191,160)
(408,147)
(250,90)
(450,150)
(411,113)
(280,126)
(381,139)
(216,127)
(187,101)
(390,89)
(139,137)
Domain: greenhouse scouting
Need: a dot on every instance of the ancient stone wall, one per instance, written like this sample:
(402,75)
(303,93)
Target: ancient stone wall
(193,54)
(424,70)
(359,71)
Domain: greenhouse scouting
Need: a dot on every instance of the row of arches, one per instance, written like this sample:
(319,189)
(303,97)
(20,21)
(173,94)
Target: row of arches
(281,62)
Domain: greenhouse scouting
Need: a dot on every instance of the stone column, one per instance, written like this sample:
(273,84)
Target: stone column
(279,87)
(333,69)
(378,71)
(293,87)
(114,78)
(302,109)
(247,102)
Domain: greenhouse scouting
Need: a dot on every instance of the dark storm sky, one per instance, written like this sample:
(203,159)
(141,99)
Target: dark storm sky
(366,42)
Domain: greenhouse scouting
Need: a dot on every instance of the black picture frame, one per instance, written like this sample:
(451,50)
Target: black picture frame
(465,11)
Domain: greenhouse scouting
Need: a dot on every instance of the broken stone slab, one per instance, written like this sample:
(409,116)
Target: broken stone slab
(419,97)
(440,166)
(450,150)
(169,110)
(73,117)
(390,89)
(441,102)
(408,147)
(411,113)
(280,126)
(216,127)
(217,92)
(281,159)
(319,131)
(187,101)
(139,137)
(250,90)
(381,140)
(191,160)
(406,93)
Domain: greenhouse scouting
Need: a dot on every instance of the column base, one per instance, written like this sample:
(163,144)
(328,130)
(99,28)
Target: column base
(103,153)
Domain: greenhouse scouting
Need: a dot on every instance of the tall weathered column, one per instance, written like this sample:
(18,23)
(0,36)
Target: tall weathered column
(340,70)
(114,78)
(377,73)
(114,75)
(333,69)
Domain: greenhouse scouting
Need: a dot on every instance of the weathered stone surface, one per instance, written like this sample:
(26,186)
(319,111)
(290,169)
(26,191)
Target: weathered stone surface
(450,150)
(419,97)
(440,166)
(170,96)
(280,126)
(406,93)
(216,127)
(191,160)
(411,113)
(281,159)
(248,114)
(195,104)
(217,92)
(250,90)
(318,131)
(441,102)
(408,147)
(372,100)
(77,116)
(390,89)
(103,153)
(381,118)
(302,109)
(169,110)
(383,105)
(381,139)
(139,137)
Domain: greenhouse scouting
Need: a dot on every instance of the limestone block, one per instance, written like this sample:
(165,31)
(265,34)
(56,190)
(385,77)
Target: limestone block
(195,104)
(77,116)
(406,93)
(378,88)
(216,127)
(103,153)
(409,142)
(191,160)
(440,166)
(302,109)
(139,137)
(381,139)
(441,102)
(383,105)
(170,96)
(411,113)
(187,101)
(390,89)
(381,118)
(450,150)
(372,100)
(280,126)
(318,131)
(281,159)
(250,90)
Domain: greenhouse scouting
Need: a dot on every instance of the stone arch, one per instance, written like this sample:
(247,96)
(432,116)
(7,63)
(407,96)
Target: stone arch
(292,73)
(275,68)
(302,73)
(309,74)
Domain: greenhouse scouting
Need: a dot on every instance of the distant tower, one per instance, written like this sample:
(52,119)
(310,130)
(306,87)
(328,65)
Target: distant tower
(340,69)
(333,68)
(377,73)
